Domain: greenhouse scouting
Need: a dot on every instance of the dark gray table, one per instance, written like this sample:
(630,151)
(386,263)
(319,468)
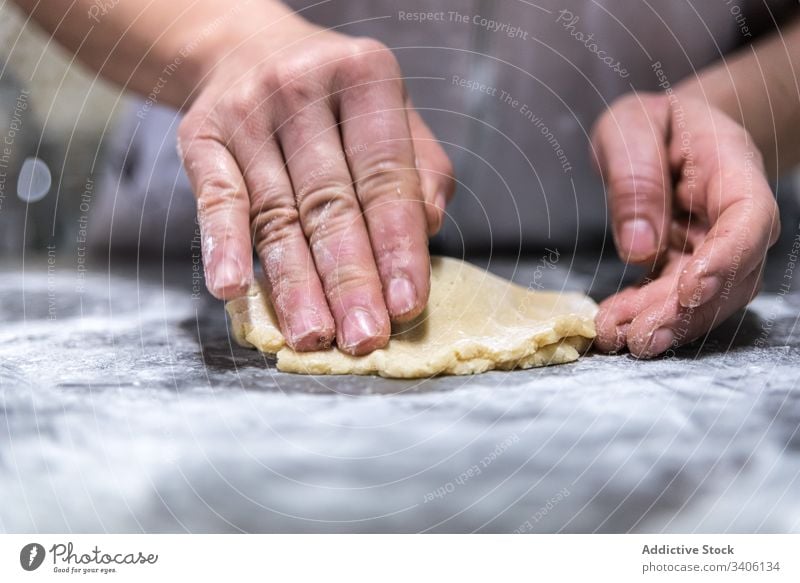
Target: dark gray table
(124,408)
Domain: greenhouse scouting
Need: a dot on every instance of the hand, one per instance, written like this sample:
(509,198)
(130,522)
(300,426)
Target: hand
(306,146)
(689,199)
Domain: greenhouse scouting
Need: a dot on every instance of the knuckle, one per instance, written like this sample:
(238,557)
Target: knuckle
(369,48)
(389,187)
(242,105)
(300,76)
(241,110)
(293,83)
(367,44)
(391,164)
(216,189)
(267,195)
(368,58)
(194,127)
(347,277)
(324,207)
(643,188)
(387,155)
(272,225)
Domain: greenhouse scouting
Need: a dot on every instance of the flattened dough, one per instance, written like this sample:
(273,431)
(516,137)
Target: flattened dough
(474,322)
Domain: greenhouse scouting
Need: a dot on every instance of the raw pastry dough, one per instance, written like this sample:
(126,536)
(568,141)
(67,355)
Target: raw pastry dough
(474,322)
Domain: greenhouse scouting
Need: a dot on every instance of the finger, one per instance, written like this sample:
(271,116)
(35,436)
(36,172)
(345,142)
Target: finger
(435,171)
(388,186)
(334,227)
(666,324)
(618,311)
(222,214)
(744,217)
(295,289)
(631,145)
(613,318)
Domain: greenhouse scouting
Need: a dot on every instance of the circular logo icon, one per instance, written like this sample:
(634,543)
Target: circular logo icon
(31,556)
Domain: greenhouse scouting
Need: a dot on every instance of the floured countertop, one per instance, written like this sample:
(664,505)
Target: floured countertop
(141,414)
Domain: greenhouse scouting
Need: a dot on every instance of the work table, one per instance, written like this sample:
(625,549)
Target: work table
(125,408)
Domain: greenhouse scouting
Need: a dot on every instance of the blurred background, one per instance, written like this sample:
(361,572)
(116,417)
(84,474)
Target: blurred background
(62,126)
(92,171)
(53,111)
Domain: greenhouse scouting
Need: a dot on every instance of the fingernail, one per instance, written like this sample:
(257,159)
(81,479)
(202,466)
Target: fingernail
(308,332)
(637,239)
(402,296)
(662,339)
(710,286)
(359,326)
(227,273)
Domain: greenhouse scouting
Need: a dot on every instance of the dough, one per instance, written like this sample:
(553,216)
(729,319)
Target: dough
(474,322)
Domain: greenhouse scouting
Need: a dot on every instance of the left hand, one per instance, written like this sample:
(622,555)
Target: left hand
(690,200)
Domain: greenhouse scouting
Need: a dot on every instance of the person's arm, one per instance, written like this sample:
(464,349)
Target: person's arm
(297,140)
(759,87)
(687,178)
(132,43)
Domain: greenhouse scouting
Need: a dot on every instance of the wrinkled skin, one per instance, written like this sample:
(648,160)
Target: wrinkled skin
(307,147)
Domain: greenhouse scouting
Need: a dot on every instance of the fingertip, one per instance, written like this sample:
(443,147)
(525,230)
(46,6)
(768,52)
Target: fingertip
(611,334)
(611,340)
(228,279)
(362,332)
(228,293)
(402,299)
(652,344)
(307,328)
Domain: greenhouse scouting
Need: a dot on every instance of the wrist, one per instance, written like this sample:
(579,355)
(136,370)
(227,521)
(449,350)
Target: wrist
(240,38)
(710,88)
(730,88)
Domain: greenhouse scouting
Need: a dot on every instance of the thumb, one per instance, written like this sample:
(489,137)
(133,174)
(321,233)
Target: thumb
(630,142)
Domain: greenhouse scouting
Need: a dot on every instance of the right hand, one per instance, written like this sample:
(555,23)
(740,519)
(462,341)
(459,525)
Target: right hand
(305,145)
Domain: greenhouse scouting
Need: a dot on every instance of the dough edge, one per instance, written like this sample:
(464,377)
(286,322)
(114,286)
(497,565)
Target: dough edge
(566,350)
(565,338)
